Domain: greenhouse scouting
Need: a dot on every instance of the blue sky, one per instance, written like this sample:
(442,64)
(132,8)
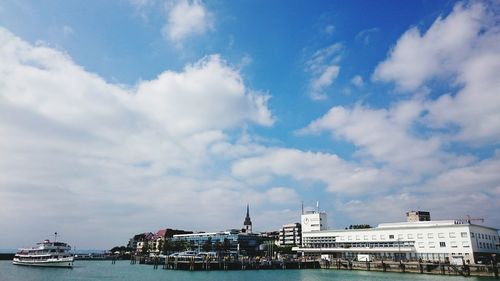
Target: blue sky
(118,117)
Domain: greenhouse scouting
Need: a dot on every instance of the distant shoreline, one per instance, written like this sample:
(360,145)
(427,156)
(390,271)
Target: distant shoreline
(6,256)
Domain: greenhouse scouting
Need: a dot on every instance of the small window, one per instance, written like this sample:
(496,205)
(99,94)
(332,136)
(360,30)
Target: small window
(382,237)
(365,237)
(400,236)
(430,235)
(463,234)
(432,245)
(453,244)
(472,234)
(374,237)
(440,235)
(452,235)
(420,244)
(420,235)
(391,236)
(465,244)
(357,237)
(410,236)
(442,244)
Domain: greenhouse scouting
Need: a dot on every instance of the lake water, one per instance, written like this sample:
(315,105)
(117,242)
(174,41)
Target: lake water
(124,271)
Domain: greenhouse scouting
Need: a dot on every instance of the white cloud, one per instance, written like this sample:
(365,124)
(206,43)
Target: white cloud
(324,69)
(357,81)
(463,50)
(440,50)
(186,18)
(366,35)
(384,136)
(339,175)
(329,29)
(112,154)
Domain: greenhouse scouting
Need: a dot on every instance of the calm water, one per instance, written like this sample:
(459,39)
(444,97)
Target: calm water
(124,271)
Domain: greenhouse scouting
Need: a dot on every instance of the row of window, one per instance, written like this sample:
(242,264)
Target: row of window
(485,245)
(359,245)
(402,236)
(453,244)
(483,236)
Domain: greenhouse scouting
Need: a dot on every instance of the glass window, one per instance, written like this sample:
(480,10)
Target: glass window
(400,236)
(430,235)
(442,244)
(382,237)
(391,236)
(463,234)
(357,237)
(440,235)
(472,234)
(432,245)
(453,244)
(420,244)
(452,235)
(410,236)
(374,237)
(365,237)
(420,235)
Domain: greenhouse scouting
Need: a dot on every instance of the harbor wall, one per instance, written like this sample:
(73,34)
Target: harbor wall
(414,267)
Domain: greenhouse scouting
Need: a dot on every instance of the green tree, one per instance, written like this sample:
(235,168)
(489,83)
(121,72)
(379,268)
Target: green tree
(207,246)
(145,247)
(167,247)
(226,245)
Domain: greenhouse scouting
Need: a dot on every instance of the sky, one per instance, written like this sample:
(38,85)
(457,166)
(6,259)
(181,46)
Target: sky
(128,116)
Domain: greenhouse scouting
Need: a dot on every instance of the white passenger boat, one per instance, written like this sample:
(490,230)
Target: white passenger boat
(47,253)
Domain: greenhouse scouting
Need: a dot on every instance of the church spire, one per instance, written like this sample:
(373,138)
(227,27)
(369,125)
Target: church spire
(247,224)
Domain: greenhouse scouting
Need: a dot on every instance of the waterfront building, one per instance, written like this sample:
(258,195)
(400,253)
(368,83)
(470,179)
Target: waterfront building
(247,224)
(134,241)
(439,240)
(314,221)
(232,240)
(414,216)
(158,240)
(290,235)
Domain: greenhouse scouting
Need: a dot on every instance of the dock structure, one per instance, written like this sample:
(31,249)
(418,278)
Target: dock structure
(221,264)
(435,268)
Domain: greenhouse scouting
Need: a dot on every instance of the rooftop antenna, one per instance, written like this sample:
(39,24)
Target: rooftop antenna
(317,205)
(55,236)
(302,206)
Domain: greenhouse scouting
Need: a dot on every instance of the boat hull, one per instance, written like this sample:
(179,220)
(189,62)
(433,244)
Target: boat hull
(68,263)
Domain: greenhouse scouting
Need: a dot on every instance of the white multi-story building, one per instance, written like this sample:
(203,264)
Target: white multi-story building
(290,235)
(426,240)
(314,221)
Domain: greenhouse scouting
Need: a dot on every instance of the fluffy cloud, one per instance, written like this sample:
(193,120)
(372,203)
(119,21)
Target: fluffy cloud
(418,58)
(338,175)
(461,49)
(324,69)
(86,154)
(186,18)
(384,136)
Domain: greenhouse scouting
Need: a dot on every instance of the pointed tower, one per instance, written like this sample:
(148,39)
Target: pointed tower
(247,225)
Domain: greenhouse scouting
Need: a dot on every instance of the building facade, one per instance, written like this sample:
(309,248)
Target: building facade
(414,216)
(290,235)
(231,240)
(421,240)
(314,221)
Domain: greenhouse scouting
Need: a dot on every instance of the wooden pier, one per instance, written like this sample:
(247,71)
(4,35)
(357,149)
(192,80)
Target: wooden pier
(205,265)
(414,267)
